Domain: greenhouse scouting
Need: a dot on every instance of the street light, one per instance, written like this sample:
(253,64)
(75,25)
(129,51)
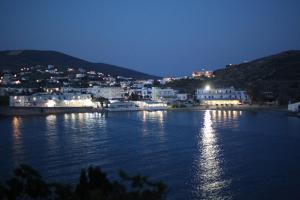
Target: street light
(207,88)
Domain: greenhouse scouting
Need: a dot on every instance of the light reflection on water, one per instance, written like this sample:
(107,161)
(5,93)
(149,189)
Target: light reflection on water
(209,166)
(202,155)
(17,140)
(51,122)
(157,117)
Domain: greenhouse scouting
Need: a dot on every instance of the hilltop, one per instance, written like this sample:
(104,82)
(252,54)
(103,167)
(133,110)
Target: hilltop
(16,59)
(271,78)
(278,75)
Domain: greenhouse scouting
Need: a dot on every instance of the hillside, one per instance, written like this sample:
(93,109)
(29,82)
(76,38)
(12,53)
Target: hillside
(15,59)
(277,74)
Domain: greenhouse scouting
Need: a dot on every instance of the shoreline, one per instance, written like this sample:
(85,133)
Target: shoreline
(238,108)
(27,111)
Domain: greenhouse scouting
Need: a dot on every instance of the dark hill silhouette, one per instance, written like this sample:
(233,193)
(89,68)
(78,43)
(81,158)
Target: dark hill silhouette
(17,58)
(278,74)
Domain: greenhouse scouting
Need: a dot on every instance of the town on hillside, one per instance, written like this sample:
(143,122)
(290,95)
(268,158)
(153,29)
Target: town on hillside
(49,87)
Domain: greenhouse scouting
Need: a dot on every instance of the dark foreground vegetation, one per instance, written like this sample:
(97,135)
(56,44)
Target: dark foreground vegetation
(93,184)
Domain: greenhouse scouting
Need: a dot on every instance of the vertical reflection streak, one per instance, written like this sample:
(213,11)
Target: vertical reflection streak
(17,140)
(156,117)
(210,169)
(51,134)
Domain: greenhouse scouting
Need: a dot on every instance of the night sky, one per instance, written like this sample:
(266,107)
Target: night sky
(158,37)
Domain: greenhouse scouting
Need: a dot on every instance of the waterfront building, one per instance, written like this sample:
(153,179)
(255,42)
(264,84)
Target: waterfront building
(116,105)
(165,94)
(151,105)
(221,96)
(52,100)
(294,107)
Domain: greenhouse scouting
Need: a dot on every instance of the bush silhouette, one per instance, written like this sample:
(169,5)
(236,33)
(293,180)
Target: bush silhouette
(93,184)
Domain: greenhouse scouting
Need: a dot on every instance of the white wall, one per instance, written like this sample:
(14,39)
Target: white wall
(107,92)
(294,107)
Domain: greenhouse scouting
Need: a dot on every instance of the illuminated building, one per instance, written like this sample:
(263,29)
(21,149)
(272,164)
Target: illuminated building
(205,74)
(221,96)
(151,105)
(52,100)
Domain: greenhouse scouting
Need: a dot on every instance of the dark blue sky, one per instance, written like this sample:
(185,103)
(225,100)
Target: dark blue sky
(156,36)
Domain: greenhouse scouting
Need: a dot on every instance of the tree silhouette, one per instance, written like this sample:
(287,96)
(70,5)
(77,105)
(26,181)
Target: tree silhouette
(27,183)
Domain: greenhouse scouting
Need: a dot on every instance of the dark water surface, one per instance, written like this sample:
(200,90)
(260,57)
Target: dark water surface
(200,155)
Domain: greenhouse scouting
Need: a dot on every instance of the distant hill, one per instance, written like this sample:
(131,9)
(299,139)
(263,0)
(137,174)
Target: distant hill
(277,74)
(15,59)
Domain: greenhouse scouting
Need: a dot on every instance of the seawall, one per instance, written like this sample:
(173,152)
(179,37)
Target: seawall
(18,111)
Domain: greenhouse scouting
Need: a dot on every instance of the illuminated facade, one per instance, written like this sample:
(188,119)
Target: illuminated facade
(206,74)
(52,100)
(151,105)
(221,96)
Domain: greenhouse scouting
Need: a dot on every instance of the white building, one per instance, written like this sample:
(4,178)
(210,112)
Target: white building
(52,100)
(294,107)
(106,92)
(221,96)
(182,97)
(151,105)
(146,93)
(162,94)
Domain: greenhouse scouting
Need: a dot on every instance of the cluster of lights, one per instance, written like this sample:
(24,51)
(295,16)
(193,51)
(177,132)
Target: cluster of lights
(25,69)
(17,82)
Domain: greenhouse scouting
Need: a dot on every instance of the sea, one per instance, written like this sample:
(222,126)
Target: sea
(208,154)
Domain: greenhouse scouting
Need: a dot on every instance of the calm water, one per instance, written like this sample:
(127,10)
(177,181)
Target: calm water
(204,154)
